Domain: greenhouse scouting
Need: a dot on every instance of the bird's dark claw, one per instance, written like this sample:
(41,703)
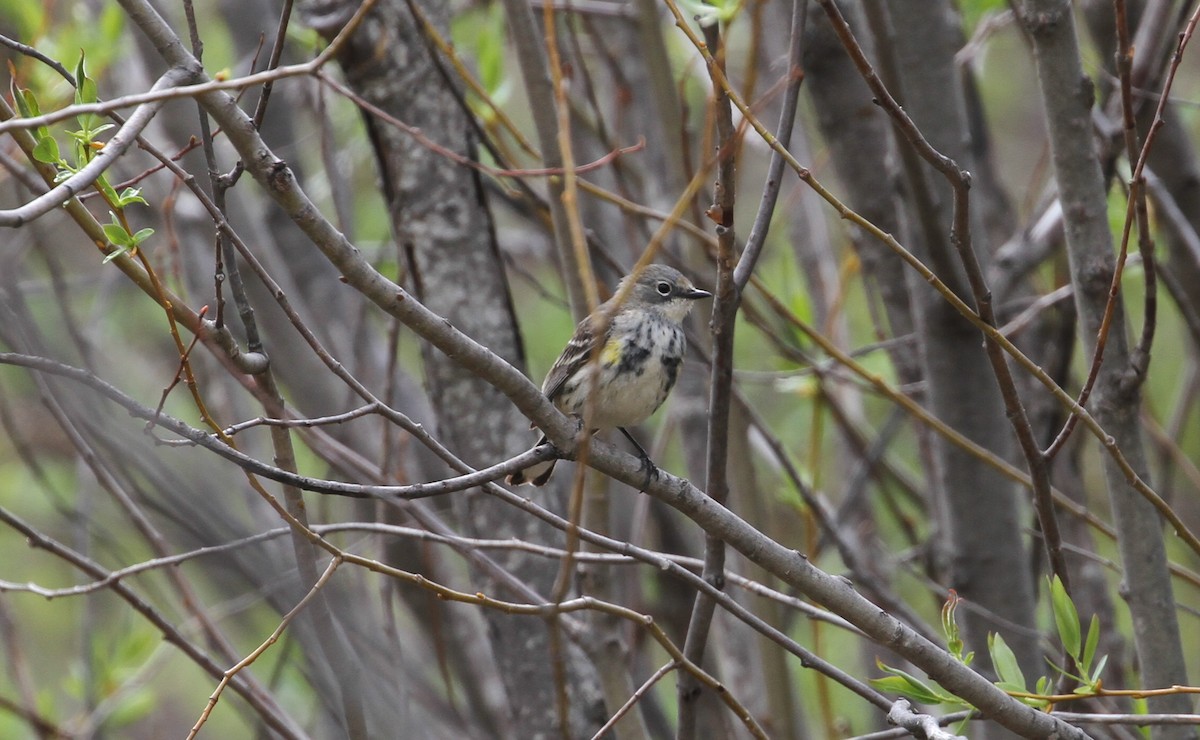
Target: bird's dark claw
(651,471)
(648,467)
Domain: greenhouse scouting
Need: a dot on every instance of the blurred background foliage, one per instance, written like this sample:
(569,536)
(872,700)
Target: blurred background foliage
(88,666)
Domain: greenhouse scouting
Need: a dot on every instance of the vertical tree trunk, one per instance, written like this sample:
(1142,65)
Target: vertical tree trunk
(1067,97)
(444,232)
(980,511)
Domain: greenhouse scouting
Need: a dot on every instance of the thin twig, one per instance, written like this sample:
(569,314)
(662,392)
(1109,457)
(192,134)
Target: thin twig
(724,312)
(257,652)
(808,658)
(635,698)
(1135,210)
(960,237)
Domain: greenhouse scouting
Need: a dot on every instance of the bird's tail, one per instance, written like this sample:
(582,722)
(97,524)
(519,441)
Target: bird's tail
(537,474)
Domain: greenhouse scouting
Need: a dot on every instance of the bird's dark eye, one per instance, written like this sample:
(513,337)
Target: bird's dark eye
(663,288)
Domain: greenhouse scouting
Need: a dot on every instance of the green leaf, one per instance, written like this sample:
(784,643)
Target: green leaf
(1094,678)
(117,235)
(46,150)
(115,232)
(1089,646)
(130,195)
(87,136)
(1005,662)
(1012,687)
(1065,617)
(85,92)
(28,105)
(918,691)
(142,235)
(1036,702)
(80,149)
(26,102)
(110,194)
(912,688)
(80,76)
(906,684)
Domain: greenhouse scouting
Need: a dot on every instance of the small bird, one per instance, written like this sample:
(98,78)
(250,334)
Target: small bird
(638,362)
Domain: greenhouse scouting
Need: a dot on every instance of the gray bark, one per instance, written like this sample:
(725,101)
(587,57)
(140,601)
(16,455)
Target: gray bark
(1172,158)
(1067,97)
(444,232)
(980,512)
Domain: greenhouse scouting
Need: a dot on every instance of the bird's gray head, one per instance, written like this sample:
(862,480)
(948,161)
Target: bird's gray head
(666,288)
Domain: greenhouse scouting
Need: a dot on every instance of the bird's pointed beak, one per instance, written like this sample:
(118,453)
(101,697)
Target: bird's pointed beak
(694,294)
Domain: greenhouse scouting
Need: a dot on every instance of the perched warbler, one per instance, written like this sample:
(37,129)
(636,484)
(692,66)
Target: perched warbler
(637,358)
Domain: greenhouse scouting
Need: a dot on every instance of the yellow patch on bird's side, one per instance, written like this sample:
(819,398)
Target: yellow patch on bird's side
(611,354)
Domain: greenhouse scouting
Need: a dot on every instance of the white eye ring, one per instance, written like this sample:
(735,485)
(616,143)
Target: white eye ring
(663,288)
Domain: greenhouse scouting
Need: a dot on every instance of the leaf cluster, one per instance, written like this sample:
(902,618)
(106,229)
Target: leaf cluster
(85,144)
(1085,670)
